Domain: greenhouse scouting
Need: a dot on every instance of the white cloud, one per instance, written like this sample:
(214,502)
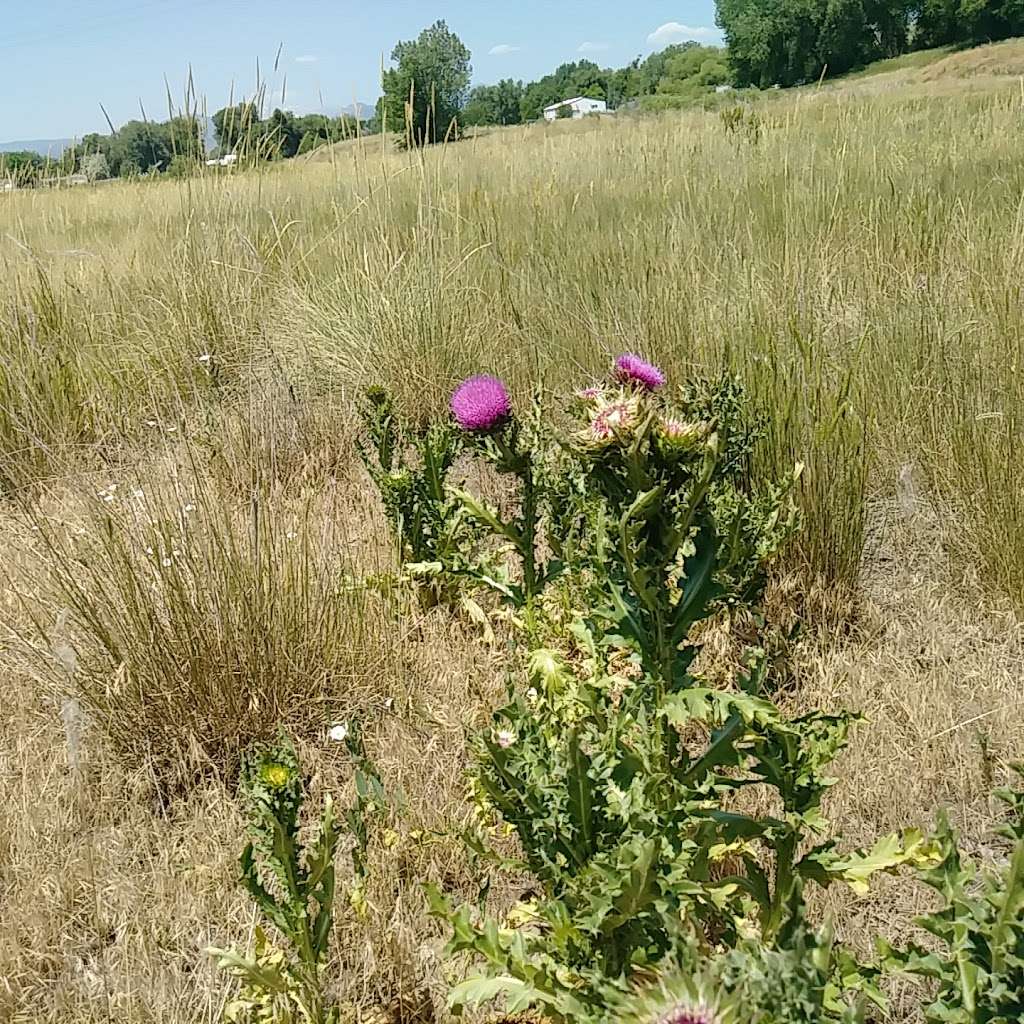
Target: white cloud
(501,49)
(306,58)
(589,47)
(673,32)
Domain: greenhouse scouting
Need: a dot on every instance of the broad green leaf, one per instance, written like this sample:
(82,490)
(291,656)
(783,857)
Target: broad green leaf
(475,991)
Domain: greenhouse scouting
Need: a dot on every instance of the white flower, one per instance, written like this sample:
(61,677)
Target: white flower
(188,508)
(108,497)
(151,423)
(205,357)
(166,563)
(290,535)
(149,551)
(505,738)
(138,493)
(339,732)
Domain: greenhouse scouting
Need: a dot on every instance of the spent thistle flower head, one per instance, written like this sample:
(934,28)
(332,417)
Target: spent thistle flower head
(481,403)
(689,1013)
(590,395)
(679,435)
(678,998)
(631,369)
(505,738)
(610,421)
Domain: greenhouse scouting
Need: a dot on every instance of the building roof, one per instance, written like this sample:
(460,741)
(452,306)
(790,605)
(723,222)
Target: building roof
(575,99)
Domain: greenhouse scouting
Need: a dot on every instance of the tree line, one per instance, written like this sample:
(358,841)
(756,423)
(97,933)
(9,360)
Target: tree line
(177,146)
(427,94)
(786,42)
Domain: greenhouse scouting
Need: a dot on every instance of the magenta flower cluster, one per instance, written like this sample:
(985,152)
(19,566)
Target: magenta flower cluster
(481,403)
(631,369)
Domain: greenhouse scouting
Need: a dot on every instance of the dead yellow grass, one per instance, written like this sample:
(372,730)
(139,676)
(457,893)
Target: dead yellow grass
(995,60)
(109,901)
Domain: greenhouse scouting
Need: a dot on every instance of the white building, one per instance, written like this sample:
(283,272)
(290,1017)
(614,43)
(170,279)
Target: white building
(580,106)
(228,160)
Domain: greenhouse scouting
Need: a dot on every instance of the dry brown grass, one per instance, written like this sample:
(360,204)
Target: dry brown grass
(109,900)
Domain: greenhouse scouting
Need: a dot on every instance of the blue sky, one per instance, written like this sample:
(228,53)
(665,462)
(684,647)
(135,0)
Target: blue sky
(63,58)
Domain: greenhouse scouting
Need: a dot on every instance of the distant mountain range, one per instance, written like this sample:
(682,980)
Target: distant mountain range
(45,147)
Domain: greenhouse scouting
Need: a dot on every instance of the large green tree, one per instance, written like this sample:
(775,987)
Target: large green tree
(143,146)
(236,125)
(425,92)
(583,78)
(21,166)
(786,42)
(951,22)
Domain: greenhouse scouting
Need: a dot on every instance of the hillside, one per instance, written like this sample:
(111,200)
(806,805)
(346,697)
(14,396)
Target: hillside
(976,67)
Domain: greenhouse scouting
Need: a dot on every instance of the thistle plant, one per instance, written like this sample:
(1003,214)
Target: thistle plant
(482,409)
(658,813)
(293,885)
(980,974)
(410,469)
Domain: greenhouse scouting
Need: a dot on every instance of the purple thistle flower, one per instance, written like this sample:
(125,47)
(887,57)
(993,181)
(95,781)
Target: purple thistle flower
(481,403)
(631,369)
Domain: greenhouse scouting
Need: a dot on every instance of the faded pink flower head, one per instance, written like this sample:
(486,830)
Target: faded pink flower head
(614,417)
(687,1013)
(631,369)
(481,403)
(591,394)
(681,433)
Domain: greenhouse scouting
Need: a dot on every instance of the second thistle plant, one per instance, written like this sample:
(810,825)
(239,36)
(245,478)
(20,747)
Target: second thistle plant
(293,885)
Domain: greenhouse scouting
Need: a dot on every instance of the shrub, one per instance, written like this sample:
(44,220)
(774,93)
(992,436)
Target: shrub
(981,923)
(409,468)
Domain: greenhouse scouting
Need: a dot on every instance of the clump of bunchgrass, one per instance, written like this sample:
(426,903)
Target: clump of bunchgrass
(200,623)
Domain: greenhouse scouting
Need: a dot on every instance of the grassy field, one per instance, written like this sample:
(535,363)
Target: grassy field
(181,503)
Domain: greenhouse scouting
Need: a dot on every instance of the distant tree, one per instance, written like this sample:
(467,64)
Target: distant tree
(428,89)
(583,78)
(185,137)
(236,125)
(21,166)
(280,134)
(790,41)
(94,166)
(181,166)
(494,104)
(144,146)
(564,112)
(946,22)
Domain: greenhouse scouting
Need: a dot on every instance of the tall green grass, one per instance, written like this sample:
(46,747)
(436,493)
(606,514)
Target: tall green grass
(858,260)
